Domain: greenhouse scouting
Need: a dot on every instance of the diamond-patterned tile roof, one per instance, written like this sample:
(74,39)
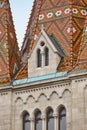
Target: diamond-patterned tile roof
(9,51)
(82,55)
(23,72)
(63,19)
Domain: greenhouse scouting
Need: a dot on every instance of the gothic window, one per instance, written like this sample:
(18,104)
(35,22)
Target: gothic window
(26,121)
(62,118)
(39,58)
(50,120)
(46,56)
(38,121)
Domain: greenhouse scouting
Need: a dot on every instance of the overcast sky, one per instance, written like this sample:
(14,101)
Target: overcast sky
(21,10)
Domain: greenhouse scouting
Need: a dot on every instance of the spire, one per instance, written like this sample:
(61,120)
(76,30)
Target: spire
(64,20)
(33,20)
(9,52)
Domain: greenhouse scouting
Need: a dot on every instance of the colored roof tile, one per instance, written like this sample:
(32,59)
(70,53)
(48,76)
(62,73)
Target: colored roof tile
(23,72)
(64,20)
(9,51)
(82,55)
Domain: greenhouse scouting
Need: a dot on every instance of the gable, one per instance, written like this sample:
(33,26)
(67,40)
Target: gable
(48,55)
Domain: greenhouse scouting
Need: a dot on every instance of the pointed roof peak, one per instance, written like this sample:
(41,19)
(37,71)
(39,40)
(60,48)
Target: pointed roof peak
(9,51)
(64,20)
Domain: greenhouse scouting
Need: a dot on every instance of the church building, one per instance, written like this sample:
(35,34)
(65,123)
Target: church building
(43,86)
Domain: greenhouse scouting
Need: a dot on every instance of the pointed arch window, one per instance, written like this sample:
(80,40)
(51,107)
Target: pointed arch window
(26,121)
(46,56)
(38,121)
(39,58)
(50,120)
(62,118)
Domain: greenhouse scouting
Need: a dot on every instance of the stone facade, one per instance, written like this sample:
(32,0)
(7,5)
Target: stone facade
(69,91)
(27,87)
(54,57)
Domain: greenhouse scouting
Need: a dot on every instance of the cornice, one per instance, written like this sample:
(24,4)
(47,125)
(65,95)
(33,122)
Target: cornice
(46,84)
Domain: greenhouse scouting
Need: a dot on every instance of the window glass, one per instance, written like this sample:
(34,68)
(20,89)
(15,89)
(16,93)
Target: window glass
(27,126)
(26,122)
(46,56)
(62,119)
(50,120)
(39,58)
(38,121)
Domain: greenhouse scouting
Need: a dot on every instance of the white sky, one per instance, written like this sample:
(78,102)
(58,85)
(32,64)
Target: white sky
(21,10)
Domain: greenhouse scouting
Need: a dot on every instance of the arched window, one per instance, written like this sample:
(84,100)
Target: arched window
(26,121)
(38,121)
(46,56)
(50,120)
(62,118)
(39,58)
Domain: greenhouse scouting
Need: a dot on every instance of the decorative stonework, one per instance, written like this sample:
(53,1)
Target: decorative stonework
(4,93)
(65,20)
(47,91)
(81,80)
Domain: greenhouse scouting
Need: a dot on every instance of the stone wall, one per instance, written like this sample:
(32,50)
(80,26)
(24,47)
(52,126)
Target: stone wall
(5,110)
(70,92)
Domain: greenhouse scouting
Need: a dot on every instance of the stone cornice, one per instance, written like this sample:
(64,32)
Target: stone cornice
(46,84)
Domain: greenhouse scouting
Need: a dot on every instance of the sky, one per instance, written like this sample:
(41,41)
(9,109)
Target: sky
(21,10)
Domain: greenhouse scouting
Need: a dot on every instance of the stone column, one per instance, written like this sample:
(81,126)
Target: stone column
(43,122)
(32,126)
(55,121)
(43,58)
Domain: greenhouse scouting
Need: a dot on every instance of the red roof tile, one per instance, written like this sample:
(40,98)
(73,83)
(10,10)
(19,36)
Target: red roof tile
(65,20)
(9,51)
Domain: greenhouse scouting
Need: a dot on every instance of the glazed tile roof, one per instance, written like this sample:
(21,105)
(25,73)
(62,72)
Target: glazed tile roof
(57,45)
(23,72)
(9,51)
(66,18)
(31,27)
(62,19)
(82,56)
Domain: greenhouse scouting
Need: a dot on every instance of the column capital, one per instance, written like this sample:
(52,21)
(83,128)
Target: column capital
(32,119)
(43,117)
(55,114)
